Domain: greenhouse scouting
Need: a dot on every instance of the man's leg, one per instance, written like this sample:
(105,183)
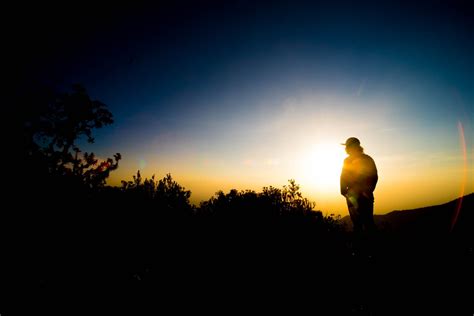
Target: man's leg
(366,211)
(355,215)
(369,237)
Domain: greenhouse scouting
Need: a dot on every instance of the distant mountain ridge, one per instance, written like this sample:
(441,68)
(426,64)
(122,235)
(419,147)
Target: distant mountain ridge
(431,219)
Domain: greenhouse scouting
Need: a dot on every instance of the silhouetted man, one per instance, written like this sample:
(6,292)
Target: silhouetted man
(358,180)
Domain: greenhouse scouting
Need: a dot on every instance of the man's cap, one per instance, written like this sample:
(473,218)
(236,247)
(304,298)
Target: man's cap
(351,141)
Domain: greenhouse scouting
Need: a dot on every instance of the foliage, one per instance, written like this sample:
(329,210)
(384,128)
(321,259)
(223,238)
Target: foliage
(271,204)
(54,123)
(165,193)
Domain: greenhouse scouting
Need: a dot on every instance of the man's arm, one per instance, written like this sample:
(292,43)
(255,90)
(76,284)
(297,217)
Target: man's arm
(373,178)
(344,179)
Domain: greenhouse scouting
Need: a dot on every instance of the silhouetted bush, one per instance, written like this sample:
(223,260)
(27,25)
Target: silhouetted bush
(164,195)
(285,206)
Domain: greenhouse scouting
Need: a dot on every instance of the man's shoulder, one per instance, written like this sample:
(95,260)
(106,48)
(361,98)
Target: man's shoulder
(368,159)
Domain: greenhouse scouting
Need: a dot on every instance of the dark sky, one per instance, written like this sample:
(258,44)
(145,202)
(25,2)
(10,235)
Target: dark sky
(181,43)
(221,82)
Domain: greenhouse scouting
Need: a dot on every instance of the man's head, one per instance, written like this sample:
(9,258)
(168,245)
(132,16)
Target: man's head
(353,145)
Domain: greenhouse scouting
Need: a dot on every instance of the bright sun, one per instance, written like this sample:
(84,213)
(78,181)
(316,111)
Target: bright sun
(321,167)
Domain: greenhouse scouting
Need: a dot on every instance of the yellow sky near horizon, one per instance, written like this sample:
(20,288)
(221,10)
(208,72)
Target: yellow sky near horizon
(420,187)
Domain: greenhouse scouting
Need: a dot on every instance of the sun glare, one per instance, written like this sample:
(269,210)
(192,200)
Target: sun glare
(321,167)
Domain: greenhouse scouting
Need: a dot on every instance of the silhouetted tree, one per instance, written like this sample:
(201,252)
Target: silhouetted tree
(166,194)
(287,203)
(293,200)
(174,195)
(272,197)
(54,122)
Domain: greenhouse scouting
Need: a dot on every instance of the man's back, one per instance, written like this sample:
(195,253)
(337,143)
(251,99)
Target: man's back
(359,174)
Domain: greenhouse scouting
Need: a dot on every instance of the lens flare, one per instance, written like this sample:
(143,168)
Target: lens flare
(464,177)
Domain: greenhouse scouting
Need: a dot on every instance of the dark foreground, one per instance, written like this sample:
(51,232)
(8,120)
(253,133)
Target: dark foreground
(201,266)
